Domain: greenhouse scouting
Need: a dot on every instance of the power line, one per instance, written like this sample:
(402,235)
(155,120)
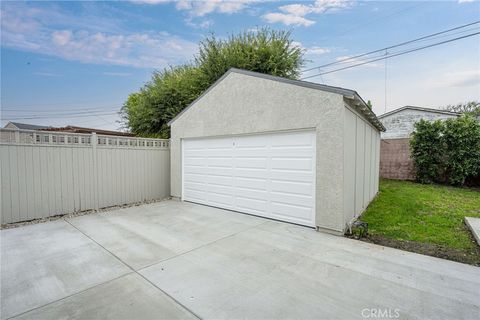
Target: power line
(61,116)
(373,21)
(391,47)
(392,55)
(48,104)
(67,110)
(60,113)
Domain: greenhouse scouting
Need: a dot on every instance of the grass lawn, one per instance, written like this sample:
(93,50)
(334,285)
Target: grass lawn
(424,214)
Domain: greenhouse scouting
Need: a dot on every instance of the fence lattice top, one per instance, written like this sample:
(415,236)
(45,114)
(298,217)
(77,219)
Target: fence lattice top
(15,136)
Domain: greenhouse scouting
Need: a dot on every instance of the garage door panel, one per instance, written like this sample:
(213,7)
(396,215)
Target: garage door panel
(194,170)
(252,141)
(293,163)
(217,143)
(193,194)
(220,200)
(251,163)
(270,175)
(219,180)
(301,188)
(218,171)
(290,176)
(220,162)
(218,153)
(189,177)
(301,152)
(295,139)
(252,183)
(252,194)
(250,205)
(292,212)
(251,173)
(294,199)
(251,152)
(219,189)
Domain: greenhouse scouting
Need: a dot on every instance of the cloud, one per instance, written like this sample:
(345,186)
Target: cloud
(151,1)
(204,24)
(287,19)
(317,50)
(314,50)
(295,14)
(201,8)
(465,1)
(40,31)
(465,78)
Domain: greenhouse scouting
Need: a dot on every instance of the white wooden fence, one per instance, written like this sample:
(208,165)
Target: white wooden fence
(46,173)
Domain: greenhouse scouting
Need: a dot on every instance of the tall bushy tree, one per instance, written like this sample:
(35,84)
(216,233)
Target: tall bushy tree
(148,111)
(426,154)
(469,108)
(263,50)
(461,139)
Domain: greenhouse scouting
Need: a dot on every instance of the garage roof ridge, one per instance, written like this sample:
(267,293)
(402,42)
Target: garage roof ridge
(347,93)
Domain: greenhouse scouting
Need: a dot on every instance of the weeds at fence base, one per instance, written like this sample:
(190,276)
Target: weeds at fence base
(74,214)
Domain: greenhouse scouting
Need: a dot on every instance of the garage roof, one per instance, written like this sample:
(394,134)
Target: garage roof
(348,94)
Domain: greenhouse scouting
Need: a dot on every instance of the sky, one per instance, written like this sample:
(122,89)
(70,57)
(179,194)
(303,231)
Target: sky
(75,63)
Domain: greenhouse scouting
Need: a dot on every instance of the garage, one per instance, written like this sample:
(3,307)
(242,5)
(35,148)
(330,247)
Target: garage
(271,175)
(283,149)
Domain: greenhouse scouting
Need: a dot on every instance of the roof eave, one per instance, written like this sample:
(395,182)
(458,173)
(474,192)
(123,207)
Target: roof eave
(359,103)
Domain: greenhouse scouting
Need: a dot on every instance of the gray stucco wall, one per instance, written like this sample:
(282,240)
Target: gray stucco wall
(242,104)
(400,124)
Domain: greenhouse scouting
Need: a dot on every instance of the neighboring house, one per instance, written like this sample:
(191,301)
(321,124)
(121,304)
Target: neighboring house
(283,149)
(395,160)
(24,126)
(400,122)
(72,129)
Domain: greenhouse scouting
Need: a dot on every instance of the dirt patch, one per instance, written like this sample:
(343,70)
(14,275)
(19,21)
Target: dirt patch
(465,256)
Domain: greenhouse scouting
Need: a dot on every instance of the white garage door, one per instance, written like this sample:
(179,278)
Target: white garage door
(270,175)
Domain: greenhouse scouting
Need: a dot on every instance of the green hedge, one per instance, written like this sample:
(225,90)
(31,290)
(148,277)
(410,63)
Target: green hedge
(446,151)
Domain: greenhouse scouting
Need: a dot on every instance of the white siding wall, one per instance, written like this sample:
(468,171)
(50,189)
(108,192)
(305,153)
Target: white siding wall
(40,180)
(401,124)
(361,164)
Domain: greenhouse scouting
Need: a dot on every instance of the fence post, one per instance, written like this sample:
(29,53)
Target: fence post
(94,142)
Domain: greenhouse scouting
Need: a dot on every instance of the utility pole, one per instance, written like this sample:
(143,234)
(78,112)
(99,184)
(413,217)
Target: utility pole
(386,53)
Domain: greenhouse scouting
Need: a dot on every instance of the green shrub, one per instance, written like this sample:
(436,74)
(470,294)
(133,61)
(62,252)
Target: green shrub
(427,150)
(446,150)
(461,141)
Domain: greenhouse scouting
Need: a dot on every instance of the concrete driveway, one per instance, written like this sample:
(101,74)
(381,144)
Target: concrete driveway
(171,260)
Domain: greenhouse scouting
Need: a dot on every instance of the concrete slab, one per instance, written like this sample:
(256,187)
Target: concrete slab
(219,264)
(474,226)
(128,297)
(278,270)
(45,262)
(143,235)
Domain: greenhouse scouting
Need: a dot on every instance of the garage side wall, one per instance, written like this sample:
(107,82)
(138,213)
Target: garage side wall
(361,163)
(243,104)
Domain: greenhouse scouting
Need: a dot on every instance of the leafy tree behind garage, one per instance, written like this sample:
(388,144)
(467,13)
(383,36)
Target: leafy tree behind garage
(147,112)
